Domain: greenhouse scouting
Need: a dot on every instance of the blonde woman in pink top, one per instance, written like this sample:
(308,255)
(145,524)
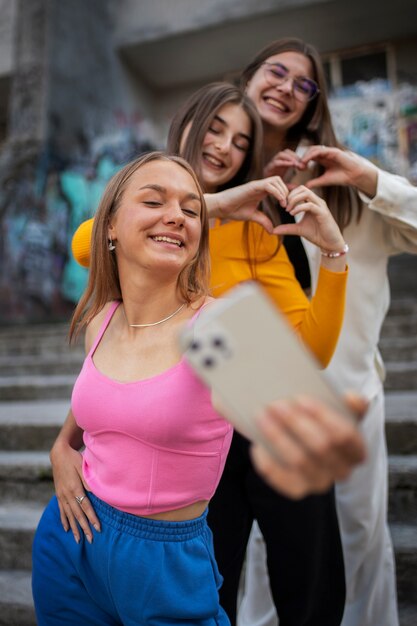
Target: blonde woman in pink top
(136,497)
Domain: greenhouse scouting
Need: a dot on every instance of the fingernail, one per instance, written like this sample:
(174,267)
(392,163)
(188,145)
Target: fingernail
(89,538)
(77,539)
(97,527)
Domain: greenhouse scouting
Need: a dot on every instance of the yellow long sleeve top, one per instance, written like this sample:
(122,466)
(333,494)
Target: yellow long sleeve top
(318,321)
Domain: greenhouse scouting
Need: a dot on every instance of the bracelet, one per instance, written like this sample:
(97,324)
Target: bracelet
(335,255)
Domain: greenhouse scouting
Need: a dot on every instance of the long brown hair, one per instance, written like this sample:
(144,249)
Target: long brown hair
(198,112)
(103,282)
(315,126)
(196,115)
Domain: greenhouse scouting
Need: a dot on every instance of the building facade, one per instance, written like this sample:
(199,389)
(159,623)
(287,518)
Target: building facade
(87,84)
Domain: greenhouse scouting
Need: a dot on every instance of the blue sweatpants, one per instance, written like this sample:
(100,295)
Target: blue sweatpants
(136,572)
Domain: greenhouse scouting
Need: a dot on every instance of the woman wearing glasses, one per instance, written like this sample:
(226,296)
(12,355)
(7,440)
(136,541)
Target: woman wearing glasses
(377,213)
(305,569)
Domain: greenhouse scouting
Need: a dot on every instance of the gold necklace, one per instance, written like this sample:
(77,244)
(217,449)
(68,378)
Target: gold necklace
(160,321)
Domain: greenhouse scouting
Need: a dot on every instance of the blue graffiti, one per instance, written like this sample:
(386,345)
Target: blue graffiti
(41,210)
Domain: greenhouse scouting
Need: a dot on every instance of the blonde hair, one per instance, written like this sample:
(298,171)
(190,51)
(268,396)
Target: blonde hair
(103,283)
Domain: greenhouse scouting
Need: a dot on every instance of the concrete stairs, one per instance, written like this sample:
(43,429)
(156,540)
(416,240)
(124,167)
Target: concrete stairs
(37,371)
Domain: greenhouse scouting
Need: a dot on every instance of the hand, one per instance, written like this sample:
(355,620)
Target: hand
(241,203)
(317,224)
(342,168)
(283,163)
(315,445)
(67,473)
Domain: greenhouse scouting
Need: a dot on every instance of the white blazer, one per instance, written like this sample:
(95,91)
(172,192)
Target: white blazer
(388,226)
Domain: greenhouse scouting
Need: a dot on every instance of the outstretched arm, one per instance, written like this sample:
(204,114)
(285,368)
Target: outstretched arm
(316,446)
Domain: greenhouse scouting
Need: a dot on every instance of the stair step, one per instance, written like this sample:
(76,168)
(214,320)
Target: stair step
(402,481)
(408,614)
(404,538)
(401,375)
(34,425)
(21,472)
(398,348)
(37,373)
(401,421)
(31,425)
(36,387)
(18,522)
(37,340)
(16,603)
(401,306)
(403,471)
(25,476)
(404,325)
(51,363)
(33,330)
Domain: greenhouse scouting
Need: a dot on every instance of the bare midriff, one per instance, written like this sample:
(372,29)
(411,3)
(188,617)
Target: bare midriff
(192,511)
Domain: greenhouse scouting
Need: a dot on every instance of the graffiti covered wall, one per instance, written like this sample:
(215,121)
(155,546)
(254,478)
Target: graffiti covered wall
(380,124)
(42,205)
(41,208)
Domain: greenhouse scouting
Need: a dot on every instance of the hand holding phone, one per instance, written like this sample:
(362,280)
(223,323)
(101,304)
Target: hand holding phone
(249,355)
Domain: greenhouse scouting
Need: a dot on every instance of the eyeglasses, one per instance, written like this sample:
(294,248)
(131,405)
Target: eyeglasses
(304,89)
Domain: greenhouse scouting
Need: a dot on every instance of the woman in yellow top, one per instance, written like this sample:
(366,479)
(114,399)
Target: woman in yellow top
(219,133)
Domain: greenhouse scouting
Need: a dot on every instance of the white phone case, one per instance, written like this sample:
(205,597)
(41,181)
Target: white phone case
(249,355)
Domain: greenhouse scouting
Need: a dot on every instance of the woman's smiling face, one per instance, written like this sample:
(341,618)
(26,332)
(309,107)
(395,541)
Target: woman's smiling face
(224,147)
(158,222)
(277,105)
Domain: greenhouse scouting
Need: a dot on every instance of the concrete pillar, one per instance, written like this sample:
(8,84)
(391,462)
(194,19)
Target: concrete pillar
(62,96)
(27,110)
(63,69)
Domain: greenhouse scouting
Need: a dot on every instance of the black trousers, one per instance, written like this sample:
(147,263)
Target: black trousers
(304,552)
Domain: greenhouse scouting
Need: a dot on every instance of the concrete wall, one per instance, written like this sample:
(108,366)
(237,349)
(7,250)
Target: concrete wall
(93,83)
(75,117)
(172,48)
(81,77)
(7,25)
(144,21)
(68,84)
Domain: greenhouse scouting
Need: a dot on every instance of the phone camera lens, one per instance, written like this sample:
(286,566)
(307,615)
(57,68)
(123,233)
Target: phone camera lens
(195,345)
(208,361)
(217,342)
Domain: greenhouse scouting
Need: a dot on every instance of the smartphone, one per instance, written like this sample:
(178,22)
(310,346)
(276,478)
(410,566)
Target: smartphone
(246,351)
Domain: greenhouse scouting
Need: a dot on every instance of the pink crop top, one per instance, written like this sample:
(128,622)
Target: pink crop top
(153,445)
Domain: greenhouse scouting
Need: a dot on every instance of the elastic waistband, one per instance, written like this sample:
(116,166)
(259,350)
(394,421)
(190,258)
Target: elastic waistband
(156,530)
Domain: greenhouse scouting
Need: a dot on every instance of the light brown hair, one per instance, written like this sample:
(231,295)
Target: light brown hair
(198,112)
(103,283)
(315,126)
